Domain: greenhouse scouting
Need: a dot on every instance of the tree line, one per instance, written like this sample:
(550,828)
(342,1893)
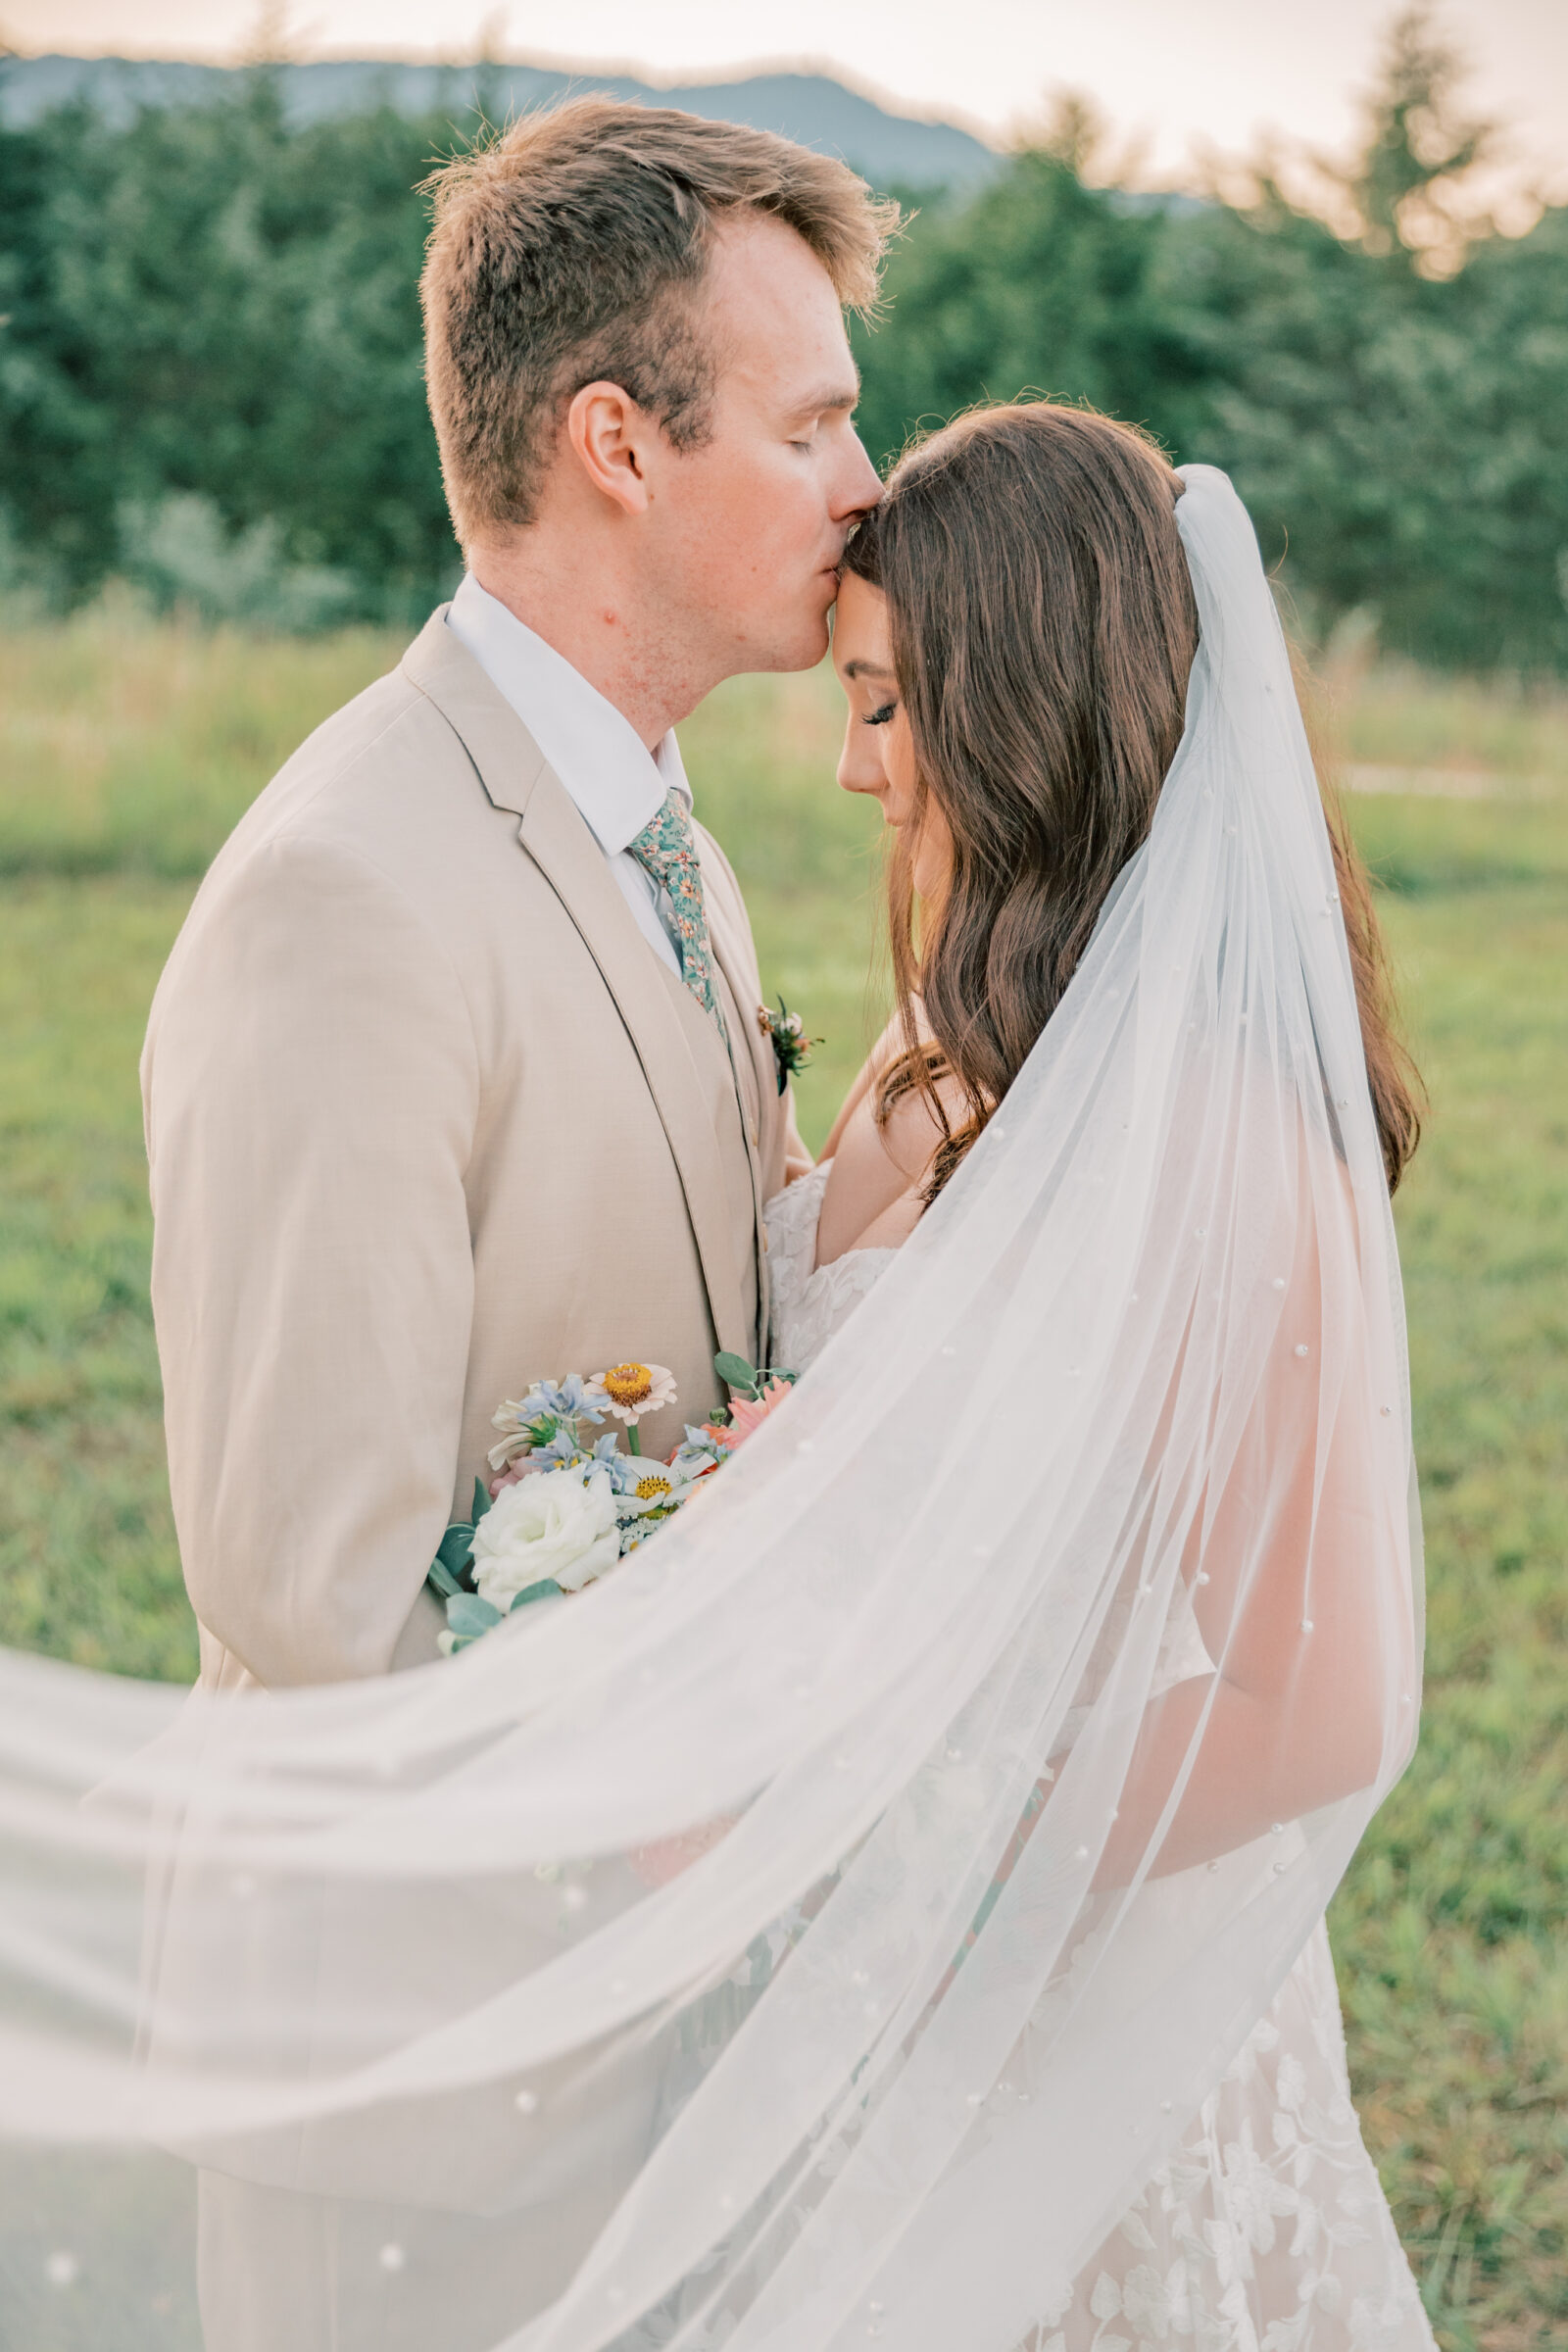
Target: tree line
(210,360)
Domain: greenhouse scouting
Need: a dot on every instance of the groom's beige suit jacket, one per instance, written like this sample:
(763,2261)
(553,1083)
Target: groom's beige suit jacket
(427,1120)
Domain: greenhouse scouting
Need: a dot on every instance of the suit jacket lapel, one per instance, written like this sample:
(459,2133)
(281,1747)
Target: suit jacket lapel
(753,1052)
(517,777)
(747,1048)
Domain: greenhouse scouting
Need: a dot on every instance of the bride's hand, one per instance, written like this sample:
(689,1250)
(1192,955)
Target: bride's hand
(667,1857)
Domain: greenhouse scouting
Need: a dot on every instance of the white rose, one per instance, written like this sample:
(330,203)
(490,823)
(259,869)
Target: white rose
(556,1523)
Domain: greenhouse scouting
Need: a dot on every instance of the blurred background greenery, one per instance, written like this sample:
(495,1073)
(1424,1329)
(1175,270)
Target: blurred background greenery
(221,518)
(211,381)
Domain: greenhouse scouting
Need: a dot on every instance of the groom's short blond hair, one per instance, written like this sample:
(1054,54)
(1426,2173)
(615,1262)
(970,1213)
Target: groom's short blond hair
(572,248)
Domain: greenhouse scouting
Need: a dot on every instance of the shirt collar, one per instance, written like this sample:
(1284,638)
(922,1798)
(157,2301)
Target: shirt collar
(617,784)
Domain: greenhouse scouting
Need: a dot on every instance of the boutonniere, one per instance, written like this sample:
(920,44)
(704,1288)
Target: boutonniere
(792,1047)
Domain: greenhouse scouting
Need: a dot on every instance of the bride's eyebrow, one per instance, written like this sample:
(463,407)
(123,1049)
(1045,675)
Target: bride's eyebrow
(866,669)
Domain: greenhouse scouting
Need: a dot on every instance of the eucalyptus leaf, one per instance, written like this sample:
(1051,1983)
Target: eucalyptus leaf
(546,1588)
(455,1546)
(737,1374)
(468,1616)
(481,1499)
(445,1573)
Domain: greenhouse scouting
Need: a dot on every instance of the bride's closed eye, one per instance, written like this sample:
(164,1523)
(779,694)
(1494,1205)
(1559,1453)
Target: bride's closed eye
(879,718)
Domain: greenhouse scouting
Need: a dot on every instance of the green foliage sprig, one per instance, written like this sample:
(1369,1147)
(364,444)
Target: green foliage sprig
(785,1033)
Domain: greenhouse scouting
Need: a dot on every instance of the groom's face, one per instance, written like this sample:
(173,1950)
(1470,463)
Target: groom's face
(753,522)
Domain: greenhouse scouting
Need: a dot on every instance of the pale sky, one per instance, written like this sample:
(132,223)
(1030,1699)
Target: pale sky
(1169,72)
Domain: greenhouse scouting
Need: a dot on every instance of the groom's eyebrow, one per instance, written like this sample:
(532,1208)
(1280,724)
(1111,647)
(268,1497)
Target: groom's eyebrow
(839,394)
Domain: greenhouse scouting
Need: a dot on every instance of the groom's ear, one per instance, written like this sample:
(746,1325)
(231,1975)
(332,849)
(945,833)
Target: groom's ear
(613,440)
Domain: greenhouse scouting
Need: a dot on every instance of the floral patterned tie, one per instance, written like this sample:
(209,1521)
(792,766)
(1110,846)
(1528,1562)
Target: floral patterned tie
(666,851)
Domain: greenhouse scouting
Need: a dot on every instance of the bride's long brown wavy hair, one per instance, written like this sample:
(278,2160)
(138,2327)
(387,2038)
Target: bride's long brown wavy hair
(1043,626)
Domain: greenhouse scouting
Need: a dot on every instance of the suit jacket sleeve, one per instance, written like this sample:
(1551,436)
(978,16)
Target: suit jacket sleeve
(311,1089)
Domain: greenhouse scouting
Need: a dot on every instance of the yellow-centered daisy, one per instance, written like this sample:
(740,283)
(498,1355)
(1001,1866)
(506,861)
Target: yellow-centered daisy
(634,1390)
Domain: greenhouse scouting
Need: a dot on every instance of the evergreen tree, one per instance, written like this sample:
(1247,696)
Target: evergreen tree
(1407,185)
(211,378)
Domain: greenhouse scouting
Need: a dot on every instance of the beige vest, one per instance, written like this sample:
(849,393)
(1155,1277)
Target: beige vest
(427,1120)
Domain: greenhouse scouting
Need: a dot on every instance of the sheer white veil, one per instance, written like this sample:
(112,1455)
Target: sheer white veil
(818,1930)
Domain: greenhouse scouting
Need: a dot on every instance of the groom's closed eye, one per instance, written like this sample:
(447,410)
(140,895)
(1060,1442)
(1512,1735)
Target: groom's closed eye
(830,401)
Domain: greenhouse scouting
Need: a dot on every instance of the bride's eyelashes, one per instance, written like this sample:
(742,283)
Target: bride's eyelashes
(879,718)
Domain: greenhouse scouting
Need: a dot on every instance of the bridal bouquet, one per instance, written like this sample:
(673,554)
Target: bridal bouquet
(565,1505)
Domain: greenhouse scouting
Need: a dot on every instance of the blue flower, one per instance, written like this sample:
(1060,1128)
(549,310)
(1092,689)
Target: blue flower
(563,1452)
(623,1467)
(571,1399)
(552,1413)
(699,1454)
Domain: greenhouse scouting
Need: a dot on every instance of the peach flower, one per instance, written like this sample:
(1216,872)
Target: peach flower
(748,1414)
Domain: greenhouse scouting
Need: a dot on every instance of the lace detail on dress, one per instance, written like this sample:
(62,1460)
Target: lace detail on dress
(1267,2230)
(810,1301)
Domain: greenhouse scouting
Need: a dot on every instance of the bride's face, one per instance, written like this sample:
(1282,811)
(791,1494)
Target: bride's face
(878,755)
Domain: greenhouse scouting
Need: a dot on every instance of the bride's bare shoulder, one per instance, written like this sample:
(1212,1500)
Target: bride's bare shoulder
(881,1148)
(867,1079)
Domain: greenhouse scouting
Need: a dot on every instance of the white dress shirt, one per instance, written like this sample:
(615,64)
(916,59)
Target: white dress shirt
(617,783)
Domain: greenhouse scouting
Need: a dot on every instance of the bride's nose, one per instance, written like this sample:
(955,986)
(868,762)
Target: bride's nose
(860,766)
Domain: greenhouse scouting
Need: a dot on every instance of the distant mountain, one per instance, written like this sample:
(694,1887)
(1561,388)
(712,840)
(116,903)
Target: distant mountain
(888,148)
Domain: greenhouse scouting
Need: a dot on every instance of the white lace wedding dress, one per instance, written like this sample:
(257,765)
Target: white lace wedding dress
(1267,2230)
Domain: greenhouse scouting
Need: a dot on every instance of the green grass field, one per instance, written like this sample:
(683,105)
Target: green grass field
(126,751)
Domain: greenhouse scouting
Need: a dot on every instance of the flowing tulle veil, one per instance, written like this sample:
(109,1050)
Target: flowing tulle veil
(1040,1663)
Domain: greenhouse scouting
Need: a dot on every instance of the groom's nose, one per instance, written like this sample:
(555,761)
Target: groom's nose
(860,486)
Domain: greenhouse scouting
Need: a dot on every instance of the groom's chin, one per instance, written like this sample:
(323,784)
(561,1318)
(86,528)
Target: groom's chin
(800,648)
